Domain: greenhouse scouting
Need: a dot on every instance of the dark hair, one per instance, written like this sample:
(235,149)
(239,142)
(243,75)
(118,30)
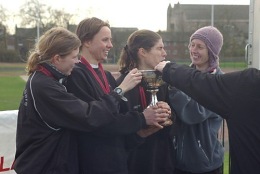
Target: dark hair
(89,27)
(145,39)
(57,40)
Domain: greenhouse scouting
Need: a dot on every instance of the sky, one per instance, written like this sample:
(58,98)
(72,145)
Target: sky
(141,14)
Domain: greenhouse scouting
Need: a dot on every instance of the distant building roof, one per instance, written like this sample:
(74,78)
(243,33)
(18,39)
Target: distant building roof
(25,32)
(221,12)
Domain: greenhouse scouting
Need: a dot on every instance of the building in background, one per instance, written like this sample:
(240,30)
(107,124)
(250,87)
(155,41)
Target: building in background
(182,21)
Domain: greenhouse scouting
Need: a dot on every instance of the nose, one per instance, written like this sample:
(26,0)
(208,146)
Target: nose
(110,45)
(164,53)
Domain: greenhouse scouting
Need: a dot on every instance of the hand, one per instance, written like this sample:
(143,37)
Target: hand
(148,131)
(162,104)
(155,115)
(161,65)
(133,78)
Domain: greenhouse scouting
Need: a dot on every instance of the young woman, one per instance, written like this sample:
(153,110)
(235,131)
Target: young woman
(236,97)
(144,50)
(48,115)
(198,148)
(105,150)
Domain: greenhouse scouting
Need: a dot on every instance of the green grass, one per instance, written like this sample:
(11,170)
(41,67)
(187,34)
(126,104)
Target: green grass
(225,65)
(235,65)
(11,89)
(226,163)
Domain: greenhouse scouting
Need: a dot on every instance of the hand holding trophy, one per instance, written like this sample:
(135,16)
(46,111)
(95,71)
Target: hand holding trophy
(152,80)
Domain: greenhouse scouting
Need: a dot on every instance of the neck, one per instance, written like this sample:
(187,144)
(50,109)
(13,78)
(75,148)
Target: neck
(90,59)
(87,56)
(202,69)
(144,67)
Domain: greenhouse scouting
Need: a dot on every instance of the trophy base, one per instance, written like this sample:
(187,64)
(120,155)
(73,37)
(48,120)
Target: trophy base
(168,122)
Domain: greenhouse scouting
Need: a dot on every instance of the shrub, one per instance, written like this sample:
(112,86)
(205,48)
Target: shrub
(9,56)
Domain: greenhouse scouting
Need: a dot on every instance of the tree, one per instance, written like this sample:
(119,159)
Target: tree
(33,11)
(3,15)
(59,18)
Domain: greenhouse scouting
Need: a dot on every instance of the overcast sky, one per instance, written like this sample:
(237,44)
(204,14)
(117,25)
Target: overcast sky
(142,14)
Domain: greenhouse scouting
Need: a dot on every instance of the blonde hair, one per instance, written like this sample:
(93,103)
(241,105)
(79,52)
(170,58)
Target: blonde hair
(57,40)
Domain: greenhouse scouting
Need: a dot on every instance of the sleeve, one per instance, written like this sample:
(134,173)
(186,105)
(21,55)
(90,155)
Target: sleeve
(124,124)
(187,109)
(60,109)
(133,140)
(218,93)
(82,86)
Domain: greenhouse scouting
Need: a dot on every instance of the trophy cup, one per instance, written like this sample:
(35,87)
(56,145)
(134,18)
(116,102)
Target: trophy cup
(152,80)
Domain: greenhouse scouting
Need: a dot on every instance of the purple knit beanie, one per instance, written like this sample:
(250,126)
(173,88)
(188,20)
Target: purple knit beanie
(213,39)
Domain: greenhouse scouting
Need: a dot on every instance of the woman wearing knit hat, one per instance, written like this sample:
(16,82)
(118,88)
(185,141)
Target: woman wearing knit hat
(198,147)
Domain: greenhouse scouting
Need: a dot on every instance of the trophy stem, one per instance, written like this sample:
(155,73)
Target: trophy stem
(154,97)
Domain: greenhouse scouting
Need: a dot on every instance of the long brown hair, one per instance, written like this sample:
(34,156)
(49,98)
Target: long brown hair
(145,39)
(57,40)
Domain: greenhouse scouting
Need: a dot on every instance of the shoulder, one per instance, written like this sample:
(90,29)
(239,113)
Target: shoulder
(219,71)
(108,73)
(79,72)
(79,67)
(41,83)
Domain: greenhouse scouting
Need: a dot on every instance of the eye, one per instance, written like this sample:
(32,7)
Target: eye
(192,45)
(201,47)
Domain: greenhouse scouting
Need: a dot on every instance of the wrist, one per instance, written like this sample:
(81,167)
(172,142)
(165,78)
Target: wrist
(120,92)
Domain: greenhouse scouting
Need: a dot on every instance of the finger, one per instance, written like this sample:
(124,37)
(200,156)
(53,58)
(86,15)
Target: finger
(162,111)
(158,125)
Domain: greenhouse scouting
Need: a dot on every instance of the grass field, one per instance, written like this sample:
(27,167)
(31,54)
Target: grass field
(11,85)
(11,89)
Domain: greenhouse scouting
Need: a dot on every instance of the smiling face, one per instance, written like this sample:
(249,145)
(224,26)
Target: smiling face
(149,59)
(97,49)
(199,54)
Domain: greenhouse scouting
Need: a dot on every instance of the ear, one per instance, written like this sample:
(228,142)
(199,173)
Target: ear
(55,59)
(87,43)
(141,51)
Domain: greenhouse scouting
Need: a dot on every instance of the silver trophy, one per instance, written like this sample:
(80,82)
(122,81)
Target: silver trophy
(152,80)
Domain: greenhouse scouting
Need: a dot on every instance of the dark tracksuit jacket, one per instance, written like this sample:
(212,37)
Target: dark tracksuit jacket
(156,154)
(104,151)
(236,97)
(198,147)
(47,119)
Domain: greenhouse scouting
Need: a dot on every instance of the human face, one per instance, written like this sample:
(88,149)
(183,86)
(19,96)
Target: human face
(66,63)
(199,54)
(100,45)
(149,59)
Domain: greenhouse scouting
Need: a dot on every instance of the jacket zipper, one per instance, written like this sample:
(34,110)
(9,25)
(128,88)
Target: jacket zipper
(202,150)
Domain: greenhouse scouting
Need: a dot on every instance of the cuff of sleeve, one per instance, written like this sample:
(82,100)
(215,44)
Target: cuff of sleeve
(143,121)
(139,139)
(114,94)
